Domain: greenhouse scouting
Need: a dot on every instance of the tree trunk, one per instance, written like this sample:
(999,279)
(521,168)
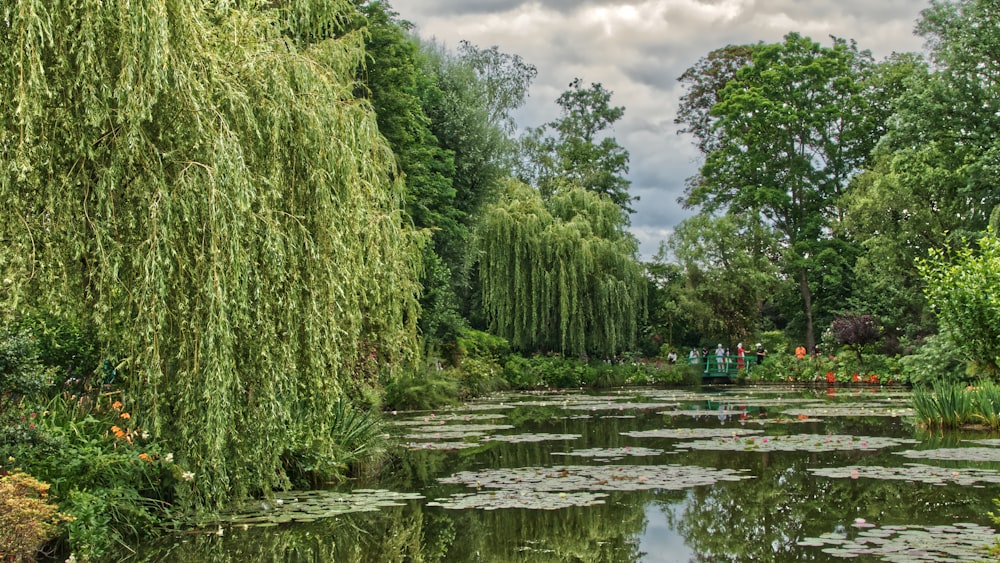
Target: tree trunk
(807,307)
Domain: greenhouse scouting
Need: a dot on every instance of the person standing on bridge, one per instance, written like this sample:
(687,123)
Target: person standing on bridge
(740,361)
(720,357)
(761,352)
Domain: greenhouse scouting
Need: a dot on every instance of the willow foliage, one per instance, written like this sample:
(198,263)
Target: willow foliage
(560,275)
(198,179)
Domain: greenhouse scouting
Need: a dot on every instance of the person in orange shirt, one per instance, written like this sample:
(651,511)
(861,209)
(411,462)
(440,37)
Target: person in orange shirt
(800,352)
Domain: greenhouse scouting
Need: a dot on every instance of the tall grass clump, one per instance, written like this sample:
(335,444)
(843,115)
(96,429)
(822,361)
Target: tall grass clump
(946,405)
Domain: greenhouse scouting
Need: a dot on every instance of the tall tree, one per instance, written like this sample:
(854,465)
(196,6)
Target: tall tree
(580,152)
(789,134)
(475,92)
(560,275)
(729,273)
(199,181)
(933,181)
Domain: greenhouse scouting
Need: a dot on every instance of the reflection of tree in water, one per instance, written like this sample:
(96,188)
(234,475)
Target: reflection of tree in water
(606,533)
(392,534)
(763,519)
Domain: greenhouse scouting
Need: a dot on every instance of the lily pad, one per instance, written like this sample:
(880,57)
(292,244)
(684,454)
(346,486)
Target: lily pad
(613,406)
(894,411)
(692,433)
(697,413)
(911,544)
(958,454)
(537,437)
(610,454)
(986,442)
(443,435)
(532,500)
(296,506)
(441,445)
(798,442)
(595,478)
(930,474)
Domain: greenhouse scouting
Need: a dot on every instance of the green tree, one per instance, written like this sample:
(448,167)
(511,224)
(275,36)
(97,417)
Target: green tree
(560,275)
(393,79)
(469,108)
(964,291)
(789,134)
(199,181)
(932,184)
(729,272)
(580,152)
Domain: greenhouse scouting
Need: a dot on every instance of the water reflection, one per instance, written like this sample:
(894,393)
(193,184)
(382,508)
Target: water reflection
(766,518)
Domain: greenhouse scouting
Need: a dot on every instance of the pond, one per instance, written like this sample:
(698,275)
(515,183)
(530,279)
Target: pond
(713,474)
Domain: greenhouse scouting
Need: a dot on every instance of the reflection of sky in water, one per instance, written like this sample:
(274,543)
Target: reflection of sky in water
(659,542)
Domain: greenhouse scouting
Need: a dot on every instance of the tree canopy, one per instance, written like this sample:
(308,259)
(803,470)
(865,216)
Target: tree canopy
(200,180)
(560,275)
(784,136)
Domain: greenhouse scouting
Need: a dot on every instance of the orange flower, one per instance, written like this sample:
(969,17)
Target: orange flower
(118,432)
(145,457)
(116,405)
(125,416)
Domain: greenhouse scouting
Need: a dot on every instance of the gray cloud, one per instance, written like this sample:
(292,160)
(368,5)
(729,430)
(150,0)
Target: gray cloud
(637,49)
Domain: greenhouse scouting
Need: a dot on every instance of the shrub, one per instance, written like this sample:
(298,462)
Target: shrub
(355,442)
(27,518)
(21,372)
(431,388)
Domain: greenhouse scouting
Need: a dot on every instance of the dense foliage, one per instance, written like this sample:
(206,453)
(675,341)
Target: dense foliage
(560,275)
(231,231)
(199,181)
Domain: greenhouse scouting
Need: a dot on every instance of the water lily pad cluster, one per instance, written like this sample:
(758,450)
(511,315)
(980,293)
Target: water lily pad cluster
(798,442)
(614,406)
(537,500)
(595,478)
(454,431)
(612,454)
(697,413)
(894,411)
(917,472)
(910,544)
(309,506)
(684,433)
(523,438)
(955,454)
(443,446)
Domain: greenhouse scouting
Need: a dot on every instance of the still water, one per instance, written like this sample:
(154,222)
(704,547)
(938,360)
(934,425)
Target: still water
(641,475)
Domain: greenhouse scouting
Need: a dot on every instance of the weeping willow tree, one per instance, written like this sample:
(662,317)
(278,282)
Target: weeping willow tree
(198,180)
(560,275)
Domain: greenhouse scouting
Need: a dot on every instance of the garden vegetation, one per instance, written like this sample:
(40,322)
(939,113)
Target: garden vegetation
(233,232)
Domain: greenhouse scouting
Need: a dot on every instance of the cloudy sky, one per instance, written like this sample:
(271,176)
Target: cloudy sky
(637,49)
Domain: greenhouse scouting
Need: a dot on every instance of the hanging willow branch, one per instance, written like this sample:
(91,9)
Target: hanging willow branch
(197,179)
(560,275)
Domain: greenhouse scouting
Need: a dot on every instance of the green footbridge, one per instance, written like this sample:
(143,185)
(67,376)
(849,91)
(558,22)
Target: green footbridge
(728,369)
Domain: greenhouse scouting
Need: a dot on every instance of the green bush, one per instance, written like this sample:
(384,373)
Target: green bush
(479,344)
(480,375)
(21,371)
(354,442)
(28,519)
(109,475)
(428,389)
(560,372)
(935,360)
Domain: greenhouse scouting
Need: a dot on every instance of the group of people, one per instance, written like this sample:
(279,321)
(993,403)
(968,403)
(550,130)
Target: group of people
(724,358)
